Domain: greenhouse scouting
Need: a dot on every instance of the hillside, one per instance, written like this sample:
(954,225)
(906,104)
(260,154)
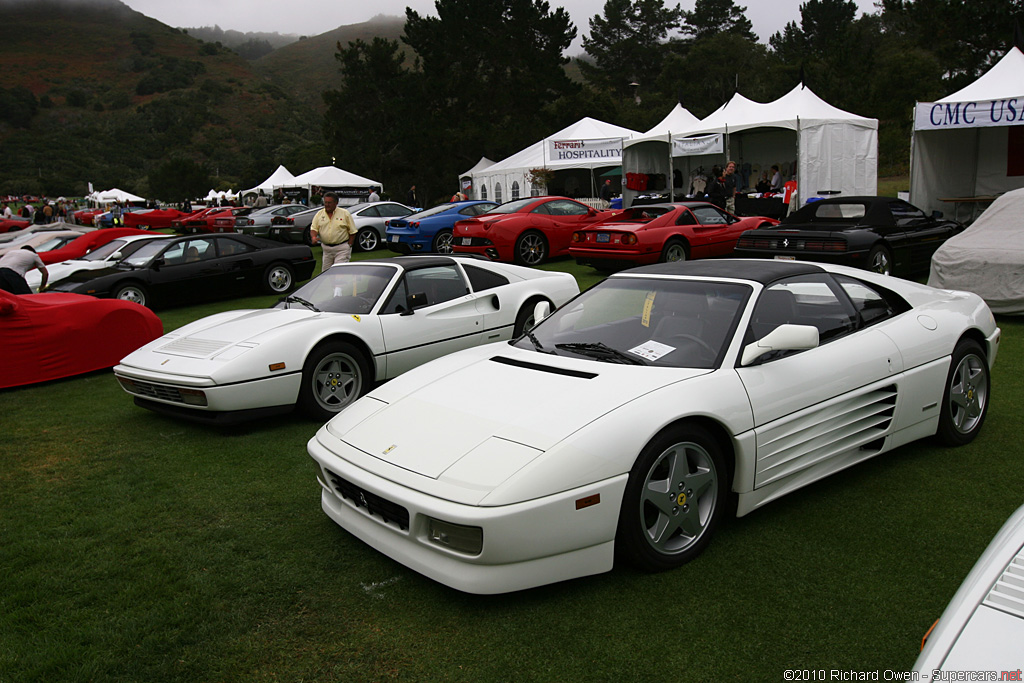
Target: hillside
(129,92)
(307,67)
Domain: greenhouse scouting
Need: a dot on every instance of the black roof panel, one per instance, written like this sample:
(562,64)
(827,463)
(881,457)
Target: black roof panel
(757,270)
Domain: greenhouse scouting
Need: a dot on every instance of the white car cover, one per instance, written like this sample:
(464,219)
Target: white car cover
(988,257)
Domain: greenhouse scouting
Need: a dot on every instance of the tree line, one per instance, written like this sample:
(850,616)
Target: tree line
(489,77)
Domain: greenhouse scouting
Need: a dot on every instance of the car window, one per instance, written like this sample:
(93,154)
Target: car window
(482,279)
(709,215)
(565,207)
(478,209)
(294,208)
(231,247)
(873,305)
(906,215)
(813,300)
(437,283)
(839,211)
(685,218)
(189,251)
(370,212)
(101,253)
(393,210)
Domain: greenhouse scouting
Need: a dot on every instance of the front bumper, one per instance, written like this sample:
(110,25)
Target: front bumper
(158,390)
(525,545)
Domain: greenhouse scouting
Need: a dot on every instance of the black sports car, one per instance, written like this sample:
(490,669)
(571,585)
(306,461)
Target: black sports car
(196,267)
(883,234)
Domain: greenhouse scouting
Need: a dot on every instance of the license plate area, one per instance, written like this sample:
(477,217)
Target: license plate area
(467,241)
(603,238)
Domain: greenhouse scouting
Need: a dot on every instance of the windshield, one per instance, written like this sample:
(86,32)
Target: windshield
(345,289)
(513,207)
(145,253)
(55,243)
(662,322)
(101,253)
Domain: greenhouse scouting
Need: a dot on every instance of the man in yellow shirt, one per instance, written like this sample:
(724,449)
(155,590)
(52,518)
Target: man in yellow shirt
(334,228)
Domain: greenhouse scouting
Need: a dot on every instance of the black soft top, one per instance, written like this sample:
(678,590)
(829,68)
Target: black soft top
(763,271)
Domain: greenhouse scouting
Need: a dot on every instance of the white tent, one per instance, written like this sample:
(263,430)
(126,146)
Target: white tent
(116,195)
(969,146)
(278,177)
(833,150)
(677,120)
(586,145)
(350,187)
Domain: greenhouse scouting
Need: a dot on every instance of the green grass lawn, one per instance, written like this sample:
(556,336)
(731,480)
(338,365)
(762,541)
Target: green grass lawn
(135,547)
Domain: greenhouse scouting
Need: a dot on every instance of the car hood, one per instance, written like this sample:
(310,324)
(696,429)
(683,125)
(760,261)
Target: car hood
(502,405)
(210,336)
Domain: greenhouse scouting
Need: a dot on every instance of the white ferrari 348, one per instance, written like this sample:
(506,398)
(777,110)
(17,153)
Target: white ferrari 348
(627,422)
(324,345)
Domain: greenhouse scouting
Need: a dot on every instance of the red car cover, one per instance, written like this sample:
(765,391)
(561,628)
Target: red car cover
(80,246)
(48,336)
(156,220)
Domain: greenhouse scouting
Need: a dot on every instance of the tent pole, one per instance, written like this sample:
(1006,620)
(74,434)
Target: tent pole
(799,175)
(671,171)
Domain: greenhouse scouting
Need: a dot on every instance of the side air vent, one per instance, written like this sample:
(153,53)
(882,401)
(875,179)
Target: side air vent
(1007,595)
(795,443)
(543,368)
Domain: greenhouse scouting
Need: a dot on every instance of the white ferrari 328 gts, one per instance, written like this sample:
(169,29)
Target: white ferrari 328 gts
(628,422)
(328,342)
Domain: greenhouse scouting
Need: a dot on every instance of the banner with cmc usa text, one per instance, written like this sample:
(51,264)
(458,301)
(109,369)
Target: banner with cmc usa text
(982,114)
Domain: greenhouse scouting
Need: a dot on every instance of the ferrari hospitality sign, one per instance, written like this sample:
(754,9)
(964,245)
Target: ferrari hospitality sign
(705,144)
(983,114)
(596,149)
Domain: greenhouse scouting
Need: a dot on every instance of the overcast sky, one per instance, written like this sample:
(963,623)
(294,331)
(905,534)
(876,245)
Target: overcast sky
(311,17)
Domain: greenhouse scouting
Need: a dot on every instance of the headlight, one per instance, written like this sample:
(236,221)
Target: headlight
(461,539)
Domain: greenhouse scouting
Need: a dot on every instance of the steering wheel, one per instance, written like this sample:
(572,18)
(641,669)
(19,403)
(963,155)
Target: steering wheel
(697,340)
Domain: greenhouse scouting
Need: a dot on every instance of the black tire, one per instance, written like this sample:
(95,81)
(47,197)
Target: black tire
(443,242)
(880,260)
(674,250)
(531,249)
(133,291)
(278,278)
(525,318)
(334,375)
(665,520)
(307,237)
(367,239)
(965,398)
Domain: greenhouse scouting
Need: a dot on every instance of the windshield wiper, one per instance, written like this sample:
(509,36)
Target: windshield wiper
(296,299)
(601,351)
(536,342)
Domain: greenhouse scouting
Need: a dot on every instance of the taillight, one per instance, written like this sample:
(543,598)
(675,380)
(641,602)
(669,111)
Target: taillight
(252,222)
(414,224)
(629,238)
(579,237)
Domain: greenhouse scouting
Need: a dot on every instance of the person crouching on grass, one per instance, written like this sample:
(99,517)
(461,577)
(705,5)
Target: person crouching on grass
(334,228)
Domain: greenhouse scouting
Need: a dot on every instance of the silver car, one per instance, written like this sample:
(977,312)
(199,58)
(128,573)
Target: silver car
(258,222)
(369,218)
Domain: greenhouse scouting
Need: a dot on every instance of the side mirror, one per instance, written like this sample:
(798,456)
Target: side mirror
(782,338)
(414,301)
(116,256)
(157,263)
(541,311)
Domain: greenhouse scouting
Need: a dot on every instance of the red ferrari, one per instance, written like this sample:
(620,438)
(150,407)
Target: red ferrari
(525,231)
(48,336)
(661,232)
(12,225)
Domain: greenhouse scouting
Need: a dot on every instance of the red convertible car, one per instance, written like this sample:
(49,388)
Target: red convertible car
(80,246)
(525,231)
(48,336)
(661,232)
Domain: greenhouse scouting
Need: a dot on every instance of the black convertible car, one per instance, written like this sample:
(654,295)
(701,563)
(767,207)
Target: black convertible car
(883,234)
(190,268)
